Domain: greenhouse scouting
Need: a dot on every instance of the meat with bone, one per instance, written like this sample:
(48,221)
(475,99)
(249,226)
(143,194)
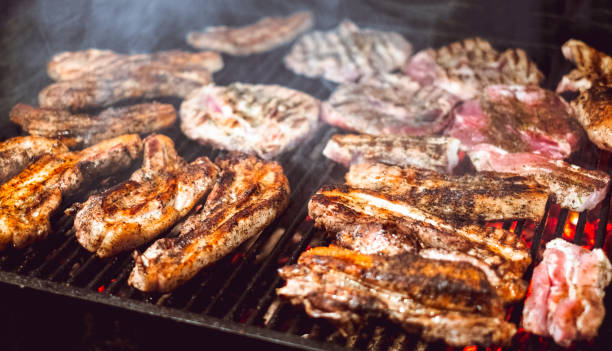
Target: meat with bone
(443,300)
(79,130)
(266,34)
(436,153)
(263,120)
(28,199)
(566,300)
(347,53)
(486,196)
(354,216)
(155,197)
(466,67)
(389,104)
(592,66)
(19,152)
(248,196)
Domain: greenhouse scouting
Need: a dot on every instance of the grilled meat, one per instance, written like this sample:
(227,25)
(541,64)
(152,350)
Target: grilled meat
(264,120)
(155,197)
(594,111)
(466,67)
(451,301)
(81,130)
(28,199)
(248,196)
(266,34)
(566,300)
(347,53)
(389,104)
(592,66)
(19,152)
(435,153)
(487,196)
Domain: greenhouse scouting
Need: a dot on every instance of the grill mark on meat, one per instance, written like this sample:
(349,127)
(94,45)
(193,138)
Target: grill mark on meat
(19,152)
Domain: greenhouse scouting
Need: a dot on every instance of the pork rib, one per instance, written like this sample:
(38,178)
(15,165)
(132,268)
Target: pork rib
(19,152)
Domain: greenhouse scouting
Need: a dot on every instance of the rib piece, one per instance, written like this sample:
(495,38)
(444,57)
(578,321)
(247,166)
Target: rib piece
(435,153)
(28,199)
(594,112)
(389,104)
(592,66)
(466,67)
(566,300)
(451,301)
(264,120)
(82,130)
(347,211)
(248,196)
(486,196)
(19,152)
(266,34)
(155,197)
(347,53)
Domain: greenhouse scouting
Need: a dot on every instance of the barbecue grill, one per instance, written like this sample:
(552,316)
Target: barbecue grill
(237,294)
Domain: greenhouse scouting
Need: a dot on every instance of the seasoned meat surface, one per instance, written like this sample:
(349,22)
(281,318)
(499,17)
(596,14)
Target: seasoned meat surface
(592,67)
(155,197)
(19,152)
(266,34)
(594,111)
(79,130)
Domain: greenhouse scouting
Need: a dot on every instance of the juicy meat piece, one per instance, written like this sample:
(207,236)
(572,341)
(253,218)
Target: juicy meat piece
(80,64)
(594,111)
(348,211)
(247,197)
(264,35)
(466,67)
(486,196)
(389,104)
(572,187)
(81,130)
(28,199)
(19,152)
(592,66)
(451,301)
(155,197)
(566,300)
(435,153)
(264,120)
(517,119)
(347,53)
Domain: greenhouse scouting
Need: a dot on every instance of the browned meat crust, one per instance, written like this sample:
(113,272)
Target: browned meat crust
(19,152)
(592,67)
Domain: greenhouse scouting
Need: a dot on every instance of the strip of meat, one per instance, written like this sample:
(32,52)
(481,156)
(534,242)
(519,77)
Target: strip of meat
(486,196)
(348,211)
(19,152)
(466,67)
(594,111)
(248,196)
(264,120)
(28,199)
(80,64)
(451,301)
(347,53)
(266,34)
(82,130)
(389,104)
(155,197)
(435,153)
(591,66)
(566,300)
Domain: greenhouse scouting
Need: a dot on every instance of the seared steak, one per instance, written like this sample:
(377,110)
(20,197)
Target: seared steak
(19,152)
(592,67)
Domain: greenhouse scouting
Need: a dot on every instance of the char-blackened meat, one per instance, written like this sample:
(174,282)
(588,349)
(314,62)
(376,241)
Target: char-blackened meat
(593,67)
(450,301)
(347,53)
(19,152)
(155,197)
(263,120)
(266,34)
(248,196)
(486,196)
(28,199)
(79,130)
(389,104)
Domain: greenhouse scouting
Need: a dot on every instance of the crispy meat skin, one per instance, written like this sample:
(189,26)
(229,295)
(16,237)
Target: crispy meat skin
(81,130)
(155,197)
(19,152)
(248,196)
(592,67)
(266,34)
(486,196)
(347,287)
(28,199)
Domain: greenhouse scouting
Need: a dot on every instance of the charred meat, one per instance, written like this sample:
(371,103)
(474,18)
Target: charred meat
(592,67)
(19,152)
